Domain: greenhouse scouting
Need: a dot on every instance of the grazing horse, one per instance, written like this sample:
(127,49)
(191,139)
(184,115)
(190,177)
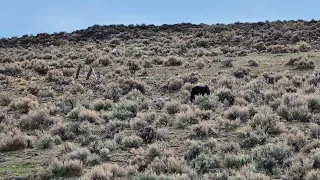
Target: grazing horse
(199,90)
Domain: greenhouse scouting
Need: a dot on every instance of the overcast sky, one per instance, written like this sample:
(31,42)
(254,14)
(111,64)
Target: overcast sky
(20,17)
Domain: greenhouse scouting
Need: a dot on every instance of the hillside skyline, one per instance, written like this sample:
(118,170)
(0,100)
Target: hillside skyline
(25,18)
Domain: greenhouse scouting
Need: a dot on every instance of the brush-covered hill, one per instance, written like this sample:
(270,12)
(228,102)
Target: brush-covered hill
(132,117)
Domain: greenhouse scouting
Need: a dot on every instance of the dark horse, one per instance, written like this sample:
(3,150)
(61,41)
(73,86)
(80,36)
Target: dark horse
(199,90)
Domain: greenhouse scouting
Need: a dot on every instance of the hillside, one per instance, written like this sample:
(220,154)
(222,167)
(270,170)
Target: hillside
(132,118)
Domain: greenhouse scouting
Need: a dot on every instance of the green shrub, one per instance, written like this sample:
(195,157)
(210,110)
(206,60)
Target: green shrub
(270,156)
(36,119)
(206,102)
(203,163)
(236,160)
(173,107)
(132,141)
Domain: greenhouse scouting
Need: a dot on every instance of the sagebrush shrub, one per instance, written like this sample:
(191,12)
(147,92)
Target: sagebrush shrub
(41,67)
(113,91)
(132,141)
(5,99)
(205,162)
(241,72)
(88,115)
(305,64)
(36,119)
(104,60)
(271,155)
(175,84)
(203,129)
(13,142)
(173,107)
(69,168)
(297,140)
(54,75)
(207,102)
(194,149)
(173,61)
(225,94)
(241,112)
(227,63)
(235,160)
(11,69)
(99,105)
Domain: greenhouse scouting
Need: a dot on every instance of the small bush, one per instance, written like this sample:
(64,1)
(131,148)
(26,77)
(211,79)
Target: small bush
(68,72)
(277,49)
(88,115)
(267,121)
(132,141)
(11,69)
(4,99)
(186,118)
(106,171)
(271,155)
(227,63)
(175,84)
(206,102)
(41,67)
(126,109)
(36,119)
(173,107)
(313,103)
(13,142)
(23,105)
(236,160)
(241,72)
(147,64)
(69,168)
(54,75)
(45,141)
(225,94)
(298,140)
(299,166)
(113,91)
(194,149)
(99,105)
(305,64)
(241,112)
(173,61)
(203,129)
(104,60)
(314,130)
(148,134)
(200,64)
(292,61)
(90,59)
(128,85)
(252,63)
(312,175)
(205,162)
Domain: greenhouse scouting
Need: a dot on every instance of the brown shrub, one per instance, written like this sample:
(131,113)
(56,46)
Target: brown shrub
(23,104)
(106,171)
(13,141)
(54,75)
